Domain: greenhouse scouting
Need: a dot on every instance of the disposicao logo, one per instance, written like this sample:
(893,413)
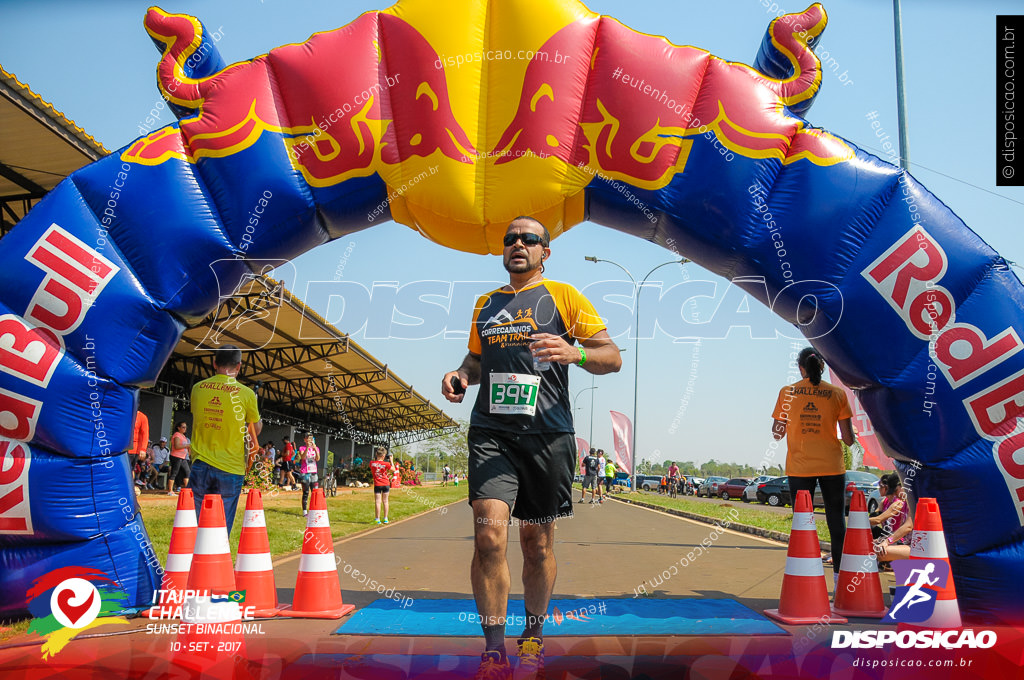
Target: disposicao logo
(914,602)
(70,600)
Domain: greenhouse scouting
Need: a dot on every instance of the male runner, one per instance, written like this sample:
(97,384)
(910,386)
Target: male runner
(589,476)
(522,448)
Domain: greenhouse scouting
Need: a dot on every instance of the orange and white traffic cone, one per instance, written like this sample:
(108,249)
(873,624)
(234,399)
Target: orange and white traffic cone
(211,562)
(317,590)
(179,554)
(210,639)
(396,479)
(859,590)
(254,572)
(804,598)
(929,543)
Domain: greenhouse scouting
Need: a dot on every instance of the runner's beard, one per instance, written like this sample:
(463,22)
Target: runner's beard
(522,266)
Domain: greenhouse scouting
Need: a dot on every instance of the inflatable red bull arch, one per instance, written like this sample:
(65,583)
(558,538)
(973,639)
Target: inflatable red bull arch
(537,107)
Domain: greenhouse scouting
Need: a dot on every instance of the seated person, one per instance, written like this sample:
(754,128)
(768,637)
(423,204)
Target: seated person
(160,455)
(145,473)
(893,525)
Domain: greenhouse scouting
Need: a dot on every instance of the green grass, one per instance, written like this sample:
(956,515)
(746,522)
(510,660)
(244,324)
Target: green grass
(751,516)
(350,511)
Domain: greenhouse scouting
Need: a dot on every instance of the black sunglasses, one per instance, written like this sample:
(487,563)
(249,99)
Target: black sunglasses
(528,239)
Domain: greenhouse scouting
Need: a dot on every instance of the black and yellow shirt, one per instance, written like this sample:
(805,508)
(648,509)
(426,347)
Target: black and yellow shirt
(502,325)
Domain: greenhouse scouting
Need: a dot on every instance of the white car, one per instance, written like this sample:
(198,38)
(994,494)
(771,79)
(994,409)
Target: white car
(750,490)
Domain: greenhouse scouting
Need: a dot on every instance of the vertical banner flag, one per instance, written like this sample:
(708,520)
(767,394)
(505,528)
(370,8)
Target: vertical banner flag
(873,454)
(581,450)
(622,435)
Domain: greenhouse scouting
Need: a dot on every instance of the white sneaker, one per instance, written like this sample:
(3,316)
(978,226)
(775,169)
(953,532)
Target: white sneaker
(305,513)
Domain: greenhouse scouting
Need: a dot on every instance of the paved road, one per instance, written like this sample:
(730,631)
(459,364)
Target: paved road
(609,550)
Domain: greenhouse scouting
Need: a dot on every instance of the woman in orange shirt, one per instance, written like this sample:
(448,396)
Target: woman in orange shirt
(806,413)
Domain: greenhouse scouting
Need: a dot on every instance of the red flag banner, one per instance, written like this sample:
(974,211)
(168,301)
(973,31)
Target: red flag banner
(873,454)
(581,451)
(622,436)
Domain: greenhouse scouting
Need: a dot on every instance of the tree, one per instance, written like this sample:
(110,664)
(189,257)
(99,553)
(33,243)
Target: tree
(450,448)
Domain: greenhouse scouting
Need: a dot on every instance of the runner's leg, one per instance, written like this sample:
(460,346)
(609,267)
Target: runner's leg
(489,570)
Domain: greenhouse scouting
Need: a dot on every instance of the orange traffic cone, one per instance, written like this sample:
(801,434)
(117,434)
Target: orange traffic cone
(210,641)
(859,591)
(929,543)
(804,598)
(317,591)
(211,562)
(396,479)
(254,572)
(179,554)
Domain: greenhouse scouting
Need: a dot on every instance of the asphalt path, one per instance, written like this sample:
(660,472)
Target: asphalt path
(609,550)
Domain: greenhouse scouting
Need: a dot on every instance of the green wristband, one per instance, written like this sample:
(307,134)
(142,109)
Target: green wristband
(583,356)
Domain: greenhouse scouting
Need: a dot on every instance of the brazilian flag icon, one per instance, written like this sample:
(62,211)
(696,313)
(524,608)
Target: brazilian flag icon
(237,596)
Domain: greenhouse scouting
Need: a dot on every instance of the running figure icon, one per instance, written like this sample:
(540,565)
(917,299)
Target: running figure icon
(915,594)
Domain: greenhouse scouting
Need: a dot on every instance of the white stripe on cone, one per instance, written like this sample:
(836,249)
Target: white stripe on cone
(317,518)
(212,541)
(184,519)
(804,521)
(945,615)
(317,562)
(254,562)
(858,520)
(179,562)
(254,518)
(804,566)
(930,544)
(859,564)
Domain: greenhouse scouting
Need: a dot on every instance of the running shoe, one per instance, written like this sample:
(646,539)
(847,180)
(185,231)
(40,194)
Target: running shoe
(305,513)
(531,659)
(377,520)
(385,520)
(493,667)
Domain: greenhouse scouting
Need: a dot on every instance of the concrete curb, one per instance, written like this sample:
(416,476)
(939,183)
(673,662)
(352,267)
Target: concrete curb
(777,536)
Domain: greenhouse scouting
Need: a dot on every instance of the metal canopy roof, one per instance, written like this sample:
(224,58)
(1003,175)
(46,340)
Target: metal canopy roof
(310,373)
(39,147)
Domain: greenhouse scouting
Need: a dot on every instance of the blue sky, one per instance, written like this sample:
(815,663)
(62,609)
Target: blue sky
(94,62)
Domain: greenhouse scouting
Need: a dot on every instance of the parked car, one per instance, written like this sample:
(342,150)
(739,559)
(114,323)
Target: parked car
(776,491)
(710,486)
(866,482)
(648,482)
(750,491)
(732,488)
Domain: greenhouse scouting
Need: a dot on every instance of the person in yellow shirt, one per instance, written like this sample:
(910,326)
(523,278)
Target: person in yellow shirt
(806,414)
(222,409)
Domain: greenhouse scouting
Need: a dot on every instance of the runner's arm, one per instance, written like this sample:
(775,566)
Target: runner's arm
(602,353)
(468,373)
(779,428)
(846,430)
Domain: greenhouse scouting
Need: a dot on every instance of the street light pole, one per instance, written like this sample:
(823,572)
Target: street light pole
(574,399)
(636,341)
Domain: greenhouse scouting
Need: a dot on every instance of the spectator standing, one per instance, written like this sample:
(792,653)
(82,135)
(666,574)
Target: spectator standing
(181,448)
(590,470)
(382,471)
(222,409)
(601,462)
(609,474)
(309,454)
(288,464)
(445,473)
(814,455)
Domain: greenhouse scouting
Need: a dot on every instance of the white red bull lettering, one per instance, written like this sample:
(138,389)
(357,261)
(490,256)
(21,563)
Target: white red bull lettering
(15,513)
(906,276)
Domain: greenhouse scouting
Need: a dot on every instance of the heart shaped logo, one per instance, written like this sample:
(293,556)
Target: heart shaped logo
(75,603)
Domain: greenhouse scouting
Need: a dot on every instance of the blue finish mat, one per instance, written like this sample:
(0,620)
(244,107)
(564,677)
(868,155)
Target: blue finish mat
(458,618)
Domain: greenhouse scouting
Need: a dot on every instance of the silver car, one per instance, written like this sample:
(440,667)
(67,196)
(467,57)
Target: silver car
(750,491)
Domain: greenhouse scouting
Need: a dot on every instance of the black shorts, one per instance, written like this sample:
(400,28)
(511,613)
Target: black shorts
(381,489)
(532,473)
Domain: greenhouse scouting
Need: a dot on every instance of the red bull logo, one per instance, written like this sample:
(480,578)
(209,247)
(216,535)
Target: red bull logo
(592,97)
(648,143)
(340,121)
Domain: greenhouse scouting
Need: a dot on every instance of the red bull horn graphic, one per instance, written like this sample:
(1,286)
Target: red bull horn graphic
(453,124)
